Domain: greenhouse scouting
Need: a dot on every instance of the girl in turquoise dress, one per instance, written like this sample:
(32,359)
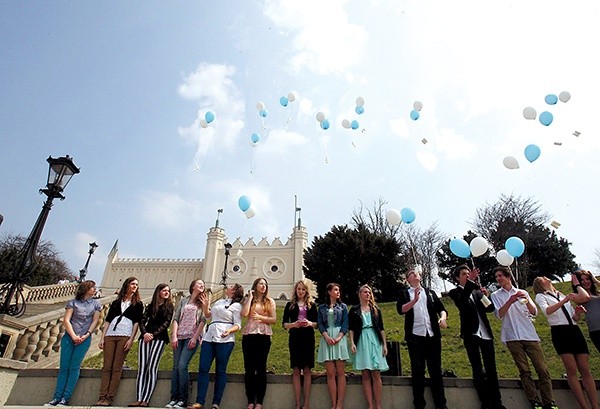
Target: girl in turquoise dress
(367,343)
(332,322)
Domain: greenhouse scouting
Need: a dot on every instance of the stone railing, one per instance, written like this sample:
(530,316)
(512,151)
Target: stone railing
(51,293)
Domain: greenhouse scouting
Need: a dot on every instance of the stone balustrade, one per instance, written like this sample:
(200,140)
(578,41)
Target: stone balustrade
(51,293)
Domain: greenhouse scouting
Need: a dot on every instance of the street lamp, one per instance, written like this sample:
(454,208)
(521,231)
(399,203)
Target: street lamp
(224,273)
(83,271)
(60,172)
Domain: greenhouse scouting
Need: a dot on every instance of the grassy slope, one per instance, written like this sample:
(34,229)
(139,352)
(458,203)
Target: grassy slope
(453,354)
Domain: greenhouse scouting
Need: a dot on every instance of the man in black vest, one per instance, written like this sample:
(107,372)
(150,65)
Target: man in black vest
(473,303)
(424,316)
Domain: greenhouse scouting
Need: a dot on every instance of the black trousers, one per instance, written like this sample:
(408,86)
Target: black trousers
(422,351)
(482,357)
(255,348)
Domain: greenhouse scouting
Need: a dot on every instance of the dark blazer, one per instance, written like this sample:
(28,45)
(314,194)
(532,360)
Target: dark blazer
(157,324)
(434,308)
(356,324)
(470,310)
(290,315)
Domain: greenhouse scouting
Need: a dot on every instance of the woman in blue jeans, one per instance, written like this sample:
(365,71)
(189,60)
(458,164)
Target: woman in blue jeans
(226,320)
(80,320)
(188,324)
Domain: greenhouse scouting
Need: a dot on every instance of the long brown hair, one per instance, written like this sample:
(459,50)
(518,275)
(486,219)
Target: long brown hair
(135,297)
(238,293)
(192,285)
(593,289)
(266,304)
(83,288)
(155,304)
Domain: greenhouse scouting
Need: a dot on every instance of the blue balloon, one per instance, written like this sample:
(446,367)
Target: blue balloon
(532,152)
(244,203)
(546,118)
(263,113)
(325,124)
(284,101)
(209,117)
(551,99)
(354,124)
(514,246)
(408,215)
(460,248)
(255,137)
(359,110)
(414,115)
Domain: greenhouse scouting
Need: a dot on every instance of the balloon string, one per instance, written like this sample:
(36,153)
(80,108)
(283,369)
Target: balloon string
(253,159)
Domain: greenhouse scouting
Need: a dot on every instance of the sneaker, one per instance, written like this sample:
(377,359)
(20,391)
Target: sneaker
(536,405)
(63,402)
(550,406)
(180,404)
(53,402)
(171,404)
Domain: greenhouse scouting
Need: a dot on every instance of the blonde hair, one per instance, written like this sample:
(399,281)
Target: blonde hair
(265,301)
(372,303)
(307,297)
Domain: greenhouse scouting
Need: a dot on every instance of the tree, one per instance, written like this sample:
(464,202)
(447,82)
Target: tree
(352,257)
(49,268)
(424,246)
(596,261)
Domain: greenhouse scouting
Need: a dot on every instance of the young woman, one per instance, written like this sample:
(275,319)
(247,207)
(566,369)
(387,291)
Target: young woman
(592,313)
(118,334)
(256,340)
(218,342)
(333,348)
(368,344)
(188,325)
(80,320)
(567,337)
(153,338)
(300,319)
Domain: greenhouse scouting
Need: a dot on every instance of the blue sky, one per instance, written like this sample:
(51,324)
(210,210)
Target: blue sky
(122,87)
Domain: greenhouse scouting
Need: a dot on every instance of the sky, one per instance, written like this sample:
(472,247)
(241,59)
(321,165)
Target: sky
(124,87)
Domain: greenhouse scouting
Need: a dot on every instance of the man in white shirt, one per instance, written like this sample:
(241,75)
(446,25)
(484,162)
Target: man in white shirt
(515,308)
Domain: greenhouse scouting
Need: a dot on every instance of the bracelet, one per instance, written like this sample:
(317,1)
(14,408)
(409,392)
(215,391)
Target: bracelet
(88,332)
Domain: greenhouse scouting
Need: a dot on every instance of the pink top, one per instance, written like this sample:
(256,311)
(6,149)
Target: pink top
(187,323)
(302,312)
(256,327)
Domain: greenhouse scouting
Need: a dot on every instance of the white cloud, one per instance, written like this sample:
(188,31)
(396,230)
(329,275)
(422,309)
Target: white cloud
(454,146)
(428,160)
(167,211)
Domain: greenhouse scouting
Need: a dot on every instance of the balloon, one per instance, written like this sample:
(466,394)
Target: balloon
(325,124)
(354,124)
(260,105)
(514,246)
(460,248)
(478,246)
(408,215)
(255,137)
(546,118)
(209,116)
(291,97)
(244,203)
(564,96)
(203,123)
(504,258)
(360,101)
(532,152)
(551,99)
(320,116)
(346,123)
(414,115)
(510,162)
(529,113)
(359,110)
(250,213)
(284,101)
(393,217)
(263,112)
(418,105)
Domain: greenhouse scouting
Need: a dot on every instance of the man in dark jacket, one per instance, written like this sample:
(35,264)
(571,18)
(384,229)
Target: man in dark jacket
(473,303)
(424,316)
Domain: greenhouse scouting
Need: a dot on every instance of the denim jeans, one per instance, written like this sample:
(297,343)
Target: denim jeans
(209,352)
(71,356)
(180,377)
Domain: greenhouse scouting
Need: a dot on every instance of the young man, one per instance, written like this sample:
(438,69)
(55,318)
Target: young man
(514,307)
(425,315)
(472,303)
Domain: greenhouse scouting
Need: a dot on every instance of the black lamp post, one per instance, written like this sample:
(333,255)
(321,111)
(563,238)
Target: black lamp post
(224,273)
(60,172)
(83,271)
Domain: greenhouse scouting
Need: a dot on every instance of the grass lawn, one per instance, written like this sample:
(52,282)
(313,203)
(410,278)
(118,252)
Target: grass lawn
(453,355)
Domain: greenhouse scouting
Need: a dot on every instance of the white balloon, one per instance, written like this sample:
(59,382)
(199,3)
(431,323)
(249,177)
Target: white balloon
(320,116)
(564,96)
(346,123)
(393,217)
(529,113)
(504,258)
(291,97)
(418,105)
(203,123)
(360,101)
(510,162)
(250,213)
(260,105)
(478,246)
